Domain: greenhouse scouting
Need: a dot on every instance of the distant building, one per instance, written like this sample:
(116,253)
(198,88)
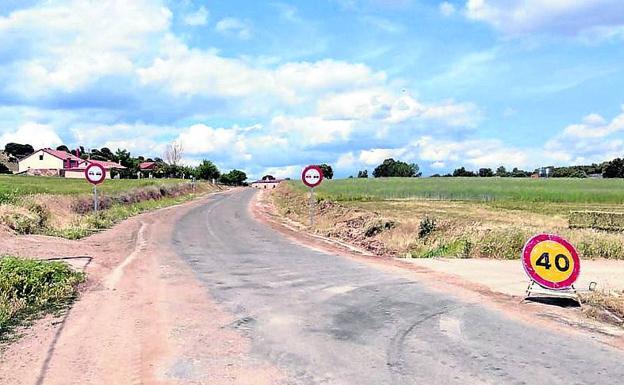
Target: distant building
(49,162)
(266,184)
(147,166)
(147,169)
(546,172)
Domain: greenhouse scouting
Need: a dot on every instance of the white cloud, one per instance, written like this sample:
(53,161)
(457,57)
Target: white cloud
(200,139)
(447,9)
(375,156)
(292,171)
(476,152)
(593,140)
(346,161)
(235,27)
(78,42)
(406,108)
(35,134)
(197,18)
(563,16)
(311,131)
(326,75)
(187,71)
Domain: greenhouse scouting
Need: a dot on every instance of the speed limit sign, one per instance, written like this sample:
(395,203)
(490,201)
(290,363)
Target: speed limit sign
(551,261)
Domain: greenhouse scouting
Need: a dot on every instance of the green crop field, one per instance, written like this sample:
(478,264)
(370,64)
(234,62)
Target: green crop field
(23,185)
(555,190)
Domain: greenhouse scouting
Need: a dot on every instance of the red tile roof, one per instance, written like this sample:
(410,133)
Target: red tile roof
(147,165)
(107,165)
(62,154)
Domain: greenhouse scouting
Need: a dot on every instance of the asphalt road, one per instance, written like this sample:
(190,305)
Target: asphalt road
(325,319)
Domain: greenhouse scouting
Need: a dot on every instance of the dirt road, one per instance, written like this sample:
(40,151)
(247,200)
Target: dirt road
(144,319)
(206,294)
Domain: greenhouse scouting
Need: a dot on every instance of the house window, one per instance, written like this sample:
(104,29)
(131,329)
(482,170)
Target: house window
(41,157)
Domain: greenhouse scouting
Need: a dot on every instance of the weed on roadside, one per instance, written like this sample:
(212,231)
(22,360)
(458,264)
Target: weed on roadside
(31,287)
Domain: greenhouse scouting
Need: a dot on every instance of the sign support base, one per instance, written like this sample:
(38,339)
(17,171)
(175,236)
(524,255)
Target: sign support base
(535,288)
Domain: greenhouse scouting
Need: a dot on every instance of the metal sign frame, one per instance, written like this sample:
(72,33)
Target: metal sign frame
(565,288)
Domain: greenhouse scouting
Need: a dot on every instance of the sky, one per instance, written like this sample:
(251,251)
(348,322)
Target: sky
(271,86)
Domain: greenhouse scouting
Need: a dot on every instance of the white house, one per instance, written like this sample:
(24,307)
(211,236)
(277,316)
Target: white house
(49,162)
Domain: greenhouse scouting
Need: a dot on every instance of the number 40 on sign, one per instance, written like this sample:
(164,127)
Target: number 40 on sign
(551,262)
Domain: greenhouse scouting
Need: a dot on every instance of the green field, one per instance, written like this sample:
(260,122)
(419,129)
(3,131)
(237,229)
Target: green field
(560,190)
(11,185)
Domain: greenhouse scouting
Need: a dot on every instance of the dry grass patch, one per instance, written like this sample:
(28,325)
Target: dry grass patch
(462,229)
(605,306)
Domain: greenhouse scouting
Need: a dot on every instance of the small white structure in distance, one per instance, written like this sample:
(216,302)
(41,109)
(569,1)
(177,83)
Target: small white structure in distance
(266,184)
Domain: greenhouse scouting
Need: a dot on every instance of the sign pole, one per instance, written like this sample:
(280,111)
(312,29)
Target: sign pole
(311,206)
(95,199)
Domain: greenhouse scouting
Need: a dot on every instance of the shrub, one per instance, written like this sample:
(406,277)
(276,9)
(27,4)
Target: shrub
(29,286)
(506,244)
(455,248)
(427,226)
(379,227)
(598,220)
(19,219)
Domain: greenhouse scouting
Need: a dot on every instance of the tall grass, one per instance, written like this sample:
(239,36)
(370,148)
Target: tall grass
(15,185)
(559,190)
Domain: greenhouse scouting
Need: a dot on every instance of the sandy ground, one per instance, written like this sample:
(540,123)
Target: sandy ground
(508,277)
(143,318)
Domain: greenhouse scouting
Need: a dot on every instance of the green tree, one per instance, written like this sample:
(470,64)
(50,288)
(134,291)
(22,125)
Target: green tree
(18,150)
(207,170)
(614,169)
(268,177)
(328,172)
(517,173)
(63,147)
(502,172)
(393,168)
(463,172)
(234,178)
(485,172)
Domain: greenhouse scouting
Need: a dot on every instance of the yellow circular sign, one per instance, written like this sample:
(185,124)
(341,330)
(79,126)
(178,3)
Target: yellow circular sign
(551,261)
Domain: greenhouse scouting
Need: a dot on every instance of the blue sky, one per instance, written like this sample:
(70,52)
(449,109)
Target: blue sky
(273,86)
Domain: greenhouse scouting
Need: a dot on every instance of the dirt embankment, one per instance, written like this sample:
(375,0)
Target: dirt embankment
(72,216)
(358,227)
(143,318)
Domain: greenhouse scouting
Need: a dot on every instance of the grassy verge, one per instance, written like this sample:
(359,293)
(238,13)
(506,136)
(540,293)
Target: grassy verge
(17,185)
(425,228)
(72,216)
(86,225)
(30,287)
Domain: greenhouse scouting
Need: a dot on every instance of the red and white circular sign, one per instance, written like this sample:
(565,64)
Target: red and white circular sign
(95,173)
(551,261)
(312,176)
